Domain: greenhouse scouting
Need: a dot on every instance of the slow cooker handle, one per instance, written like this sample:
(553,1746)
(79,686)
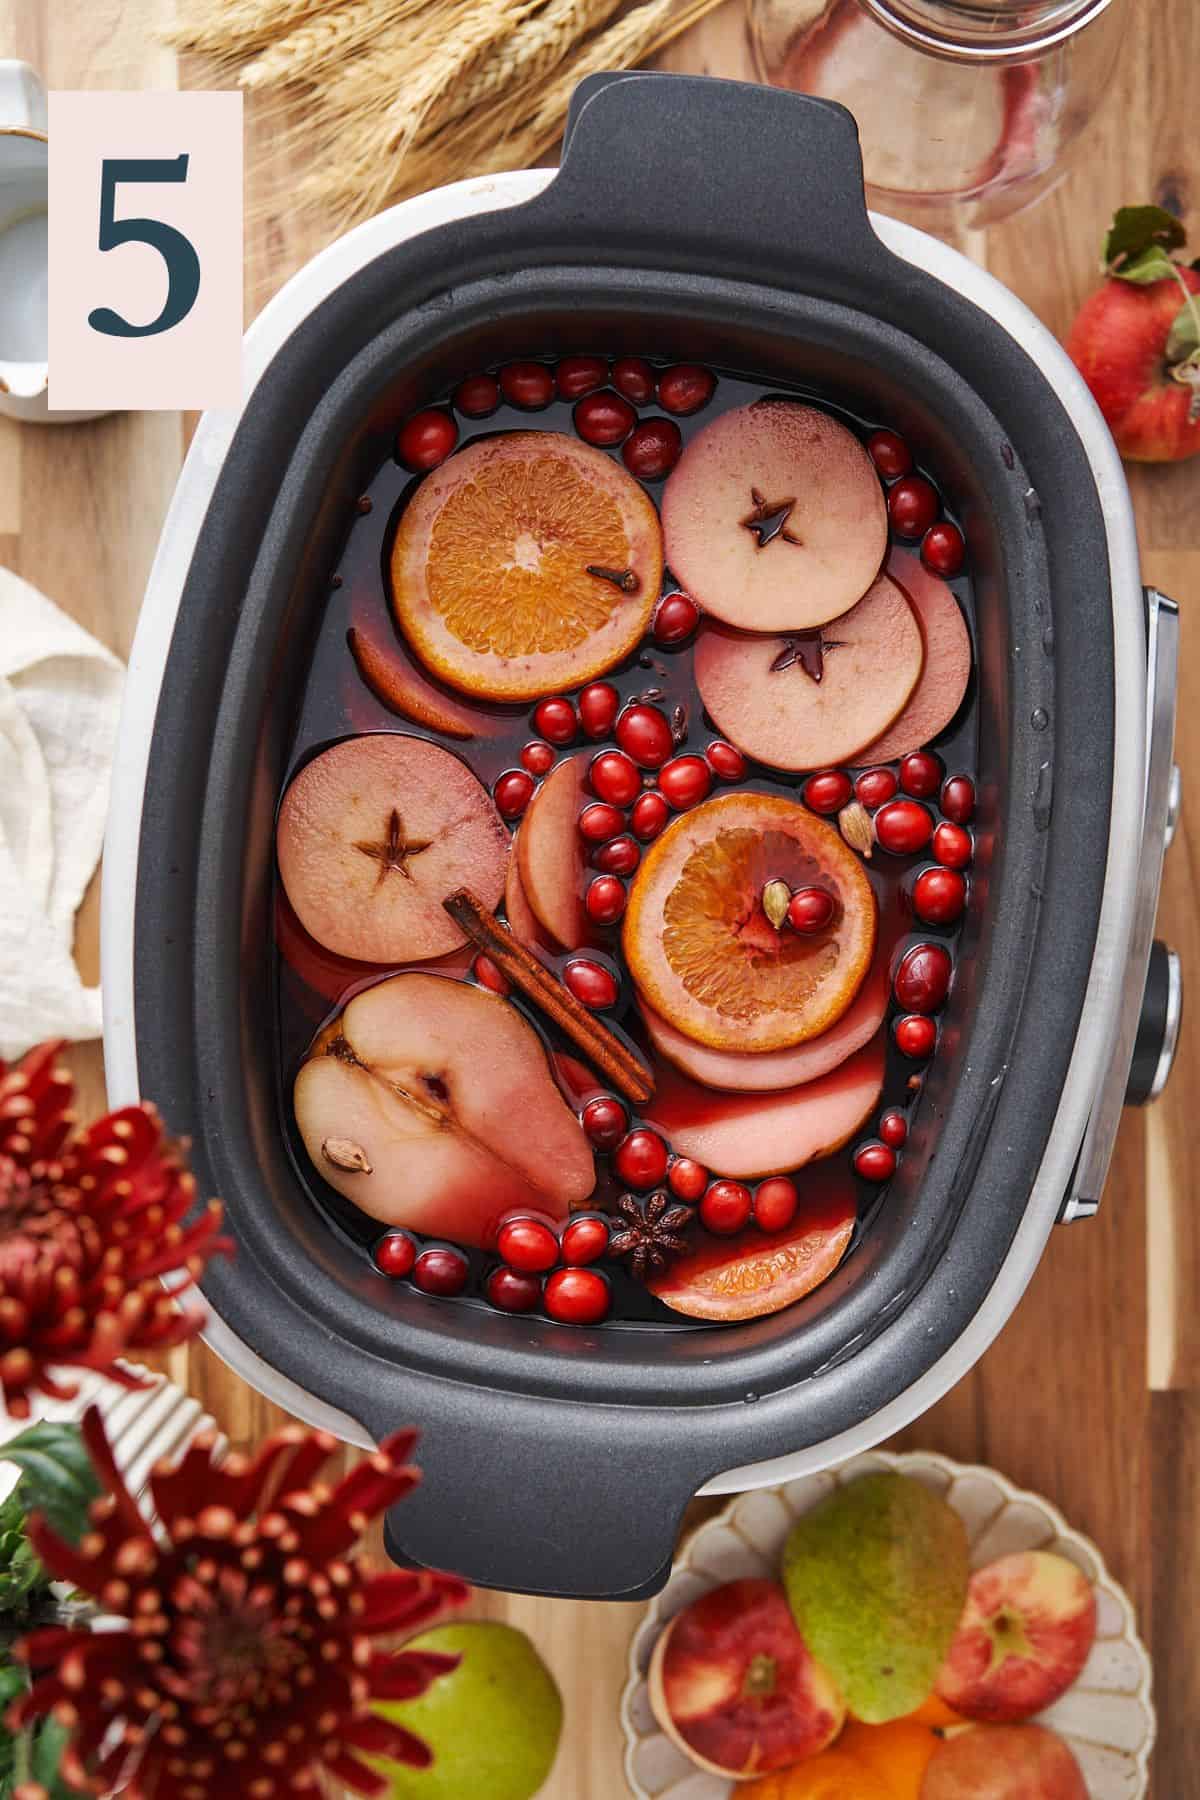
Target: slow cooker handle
(734,178)
(514,1494)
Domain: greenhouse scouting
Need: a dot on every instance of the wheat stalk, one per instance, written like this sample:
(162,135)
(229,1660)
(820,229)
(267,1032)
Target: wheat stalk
(230,28)
(456,59)
(319,43)
(529,56)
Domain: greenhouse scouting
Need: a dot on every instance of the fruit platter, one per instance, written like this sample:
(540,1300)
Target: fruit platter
(899,1628)
(625,842)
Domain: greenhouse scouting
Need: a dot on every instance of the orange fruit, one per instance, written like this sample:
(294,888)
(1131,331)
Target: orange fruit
(494,564)
(831,1776)
(702,950)
(935,1712)
(898,1753)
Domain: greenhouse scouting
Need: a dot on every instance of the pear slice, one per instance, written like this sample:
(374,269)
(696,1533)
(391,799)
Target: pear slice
(430,1103)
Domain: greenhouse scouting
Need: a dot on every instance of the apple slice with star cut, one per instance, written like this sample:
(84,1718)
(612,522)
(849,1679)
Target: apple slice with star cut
(372,836)
(430,1103)
(808,700)
(774,518)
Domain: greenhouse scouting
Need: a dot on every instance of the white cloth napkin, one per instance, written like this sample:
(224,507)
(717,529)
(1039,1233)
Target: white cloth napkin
(60,696)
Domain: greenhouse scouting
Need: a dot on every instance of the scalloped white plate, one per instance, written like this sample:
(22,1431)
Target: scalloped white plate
(1107,1717)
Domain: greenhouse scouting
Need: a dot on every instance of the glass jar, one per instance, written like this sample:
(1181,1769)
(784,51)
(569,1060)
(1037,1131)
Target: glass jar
(966,108)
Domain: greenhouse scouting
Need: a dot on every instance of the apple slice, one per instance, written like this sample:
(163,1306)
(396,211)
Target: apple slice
(1029,1624)
(946,668)
(399,685)
(774,519)
(550,850)
(748,1135)
(333,976)
(756,1273)
(811,699)
(520,915)
(733,1685)
(372,836)
(766,1071)
(430,1103)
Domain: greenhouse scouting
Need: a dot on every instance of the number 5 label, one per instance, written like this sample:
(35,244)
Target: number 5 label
(145,294)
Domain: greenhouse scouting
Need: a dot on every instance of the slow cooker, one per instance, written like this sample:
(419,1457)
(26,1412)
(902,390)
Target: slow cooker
(728,220)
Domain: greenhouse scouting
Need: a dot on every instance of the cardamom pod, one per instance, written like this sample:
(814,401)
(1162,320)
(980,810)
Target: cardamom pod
(775,898)
(345,1154)
(854,823)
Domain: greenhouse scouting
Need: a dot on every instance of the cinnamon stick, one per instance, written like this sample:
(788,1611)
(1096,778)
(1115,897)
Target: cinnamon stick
(619,1066)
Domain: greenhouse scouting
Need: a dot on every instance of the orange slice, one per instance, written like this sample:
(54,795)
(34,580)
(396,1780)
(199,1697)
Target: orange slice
(702,950)
(494,565)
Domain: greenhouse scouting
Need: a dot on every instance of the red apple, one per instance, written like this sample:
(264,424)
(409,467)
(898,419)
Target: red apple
(1025,1634)
(996,1762)
(732,1683)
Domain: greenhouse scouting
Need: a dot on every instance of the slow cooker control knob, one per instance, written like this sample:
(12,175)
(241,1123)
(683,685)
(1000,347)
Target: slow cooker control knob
(1158,1027)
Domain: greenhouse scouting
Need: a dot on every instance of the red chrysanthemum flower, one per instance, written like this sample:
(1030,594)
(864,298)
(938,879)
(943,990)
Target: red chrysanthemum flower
(89,1221)
(244,1664)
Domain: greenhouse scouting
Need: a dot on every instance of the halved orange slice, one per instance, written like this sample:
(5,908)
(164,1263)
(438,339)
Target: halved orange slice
(702,950)
(526,564)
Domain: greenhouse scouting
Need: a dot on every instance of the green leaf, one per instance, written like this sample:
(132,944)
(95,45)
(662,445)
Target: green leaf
(1136,229)
(48,1750)
(57,1477)
(1184,335)
(1149,265)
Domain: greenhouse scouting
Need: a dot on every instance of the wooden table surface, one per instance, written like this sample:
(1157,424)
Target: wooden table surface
(1092,1393)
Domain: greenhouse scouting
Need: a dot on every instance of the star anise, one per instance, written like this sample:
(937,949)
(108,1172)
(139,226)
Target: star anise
(652,1233)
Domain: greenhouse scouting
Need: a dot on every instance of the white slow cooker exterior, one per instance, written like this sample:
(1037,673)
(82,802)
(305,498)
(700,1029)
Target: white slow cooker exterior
(1093,1046)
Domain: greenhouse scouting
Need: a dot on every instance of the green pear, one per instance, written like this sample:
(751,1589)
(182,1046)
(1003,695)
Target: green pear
(493,1724)
(876,1575)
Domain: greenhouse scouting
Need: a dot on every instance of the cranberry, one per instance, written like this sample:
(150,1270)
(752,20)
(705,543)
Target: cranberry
(916,1035)
(489,976)
(890,454)
(620,857)
(584,1239)
(685,388)
(529,385)
(644,734)
(650,813)
(513,792)
(441,1269)
(614,778)
(828,792)
(528,1245)
(604,1120)
(676,619)
(686,1179)
(634,378)
(604,901)
(426,439)
(477,396)
(893,1129)
(555,720)
(641,1158)
(537,757)
(923,978)
(810,910)
(395,1254)
(600,821)
(511,1291)
(590,982)
(958,799)
(604,418)
(726,763)
(921,773)
(939,896)
(943,550)
(775,1203)
(875,1162)
(912,506)
(652,449)
(579,375)
(726,1207)
(875,787)
(685,780)
(577,1297)
(598,704)
(952,846)
(903,827)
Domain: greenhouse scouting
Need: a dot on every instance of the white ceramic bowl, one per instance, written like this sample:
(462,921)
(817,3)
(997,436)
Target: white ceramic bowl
(1107,1718)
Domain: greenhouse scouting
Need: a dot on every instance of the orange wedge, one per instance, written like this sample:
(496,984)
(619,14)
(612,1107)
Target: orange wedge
(526,564)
